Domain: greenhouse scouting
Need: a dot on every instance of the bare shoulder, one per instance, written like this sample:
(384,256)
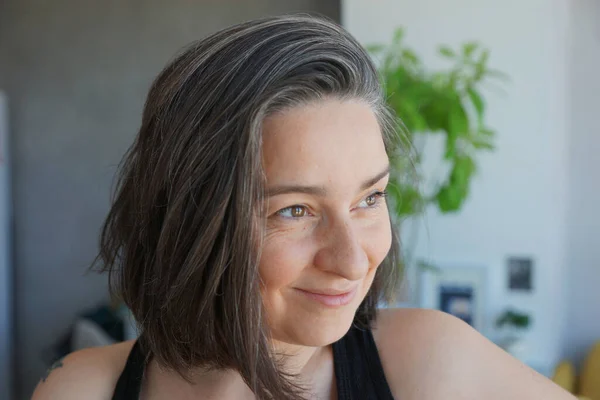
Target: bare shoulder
(93,372)
(428,354)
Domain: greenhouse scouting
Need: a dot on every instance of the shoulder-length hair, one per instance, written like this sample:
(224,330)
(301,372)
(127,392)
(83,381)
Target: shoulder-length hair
(183,238)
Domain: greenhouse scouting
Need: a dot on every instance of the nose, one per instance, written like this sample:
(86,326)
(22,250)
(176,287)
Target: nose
(341,252)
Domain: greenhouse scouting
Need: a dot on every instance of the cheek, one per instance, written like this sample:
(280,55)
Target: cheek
(282,262)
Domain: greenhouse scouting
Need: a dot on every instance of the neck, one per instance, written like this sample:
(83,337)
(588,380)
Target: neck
(313,366)
(300,360)
(306,363)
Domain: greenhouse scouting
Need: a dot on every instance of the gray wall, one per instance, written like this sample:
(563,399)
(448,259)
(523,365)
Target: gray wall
(583,324)
(76,73)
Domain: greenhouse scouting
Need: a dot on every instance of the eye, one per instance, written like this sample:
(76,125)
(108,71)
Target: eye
(373,200)
(296,211)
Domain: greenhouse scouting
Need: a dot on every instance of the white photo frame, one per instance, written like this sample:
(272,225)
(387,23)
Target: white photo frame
(460,291)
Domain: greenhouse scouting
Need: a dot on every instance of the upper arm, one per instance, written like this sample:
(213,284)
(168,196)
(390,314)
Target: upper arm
(90,373)
(432,355)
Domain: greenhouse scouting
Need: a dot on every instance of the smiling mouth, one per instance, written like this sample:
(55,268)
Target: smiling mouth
(330,300)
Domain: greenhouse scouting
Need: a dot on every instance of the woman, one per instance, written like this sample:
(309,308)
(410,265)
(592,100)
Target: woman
(251,239)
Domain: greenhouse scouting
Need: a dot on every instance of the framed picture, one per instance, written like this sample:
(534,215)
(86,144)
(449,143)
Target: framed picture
(520,274)
(459,291)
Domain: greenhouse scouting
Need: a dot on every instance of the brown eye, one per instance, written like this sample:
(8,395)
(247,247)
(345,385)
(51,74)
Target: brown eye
(293,212)
(298,212)
(371,200)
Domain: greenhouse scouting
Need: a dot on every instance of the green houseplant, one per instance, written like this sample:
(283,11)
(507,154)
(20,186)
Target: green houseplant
(514,319)
(513,325)
(447,102)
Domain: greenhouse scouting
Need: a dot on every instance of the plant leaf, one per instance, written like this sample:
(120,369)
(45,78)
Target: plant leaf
(398,36)
(410,55)
(483,58)
(375,48)
(413,120)
(458,122)
(448,200)
(447,52)
(454,192)
(463,169)
(407,199)
(477,103)
(482,144)
(469,48)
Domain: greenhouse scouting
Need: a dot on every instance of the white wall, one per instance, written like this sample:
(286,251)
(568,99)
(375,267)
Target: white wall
(584,181)
(518,203)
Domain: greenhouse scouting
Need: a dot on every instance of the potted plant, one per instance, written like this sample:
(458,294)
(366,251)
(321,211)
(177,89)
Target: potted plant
(513,325)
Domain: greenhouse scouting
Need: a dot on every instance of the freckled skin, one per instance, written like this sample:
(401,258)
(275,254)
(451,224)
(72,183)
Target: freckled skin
(335,241)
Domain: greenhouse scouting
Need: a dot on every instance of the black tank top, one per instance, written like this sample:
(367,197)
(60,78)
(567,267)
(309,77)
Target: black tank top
(358,371)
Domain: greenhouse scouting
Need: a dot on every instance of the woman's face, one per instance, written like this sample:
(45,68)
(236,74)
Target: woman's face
(328,227)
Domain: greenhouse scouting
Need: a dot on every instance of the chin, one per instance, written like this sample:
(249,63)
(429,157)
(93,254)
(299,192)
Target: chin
(318,328)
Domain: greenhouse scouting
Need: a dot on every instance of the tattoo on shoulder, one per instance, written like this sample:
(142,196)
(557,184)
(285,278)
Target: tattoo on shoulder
(57,364)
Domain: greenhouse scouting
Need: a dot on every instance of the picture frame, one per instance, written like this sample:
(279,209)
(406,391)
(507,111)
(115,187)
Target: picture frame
(459,291)
(520,274)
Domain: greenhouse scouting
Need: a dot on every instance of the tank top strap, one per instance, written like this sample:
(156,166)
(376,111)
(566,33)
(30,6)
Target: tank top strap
(130,382)
(358,369)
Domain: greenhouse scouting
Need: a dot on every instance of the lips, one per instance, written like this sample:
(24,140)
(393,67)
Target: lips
(330,297)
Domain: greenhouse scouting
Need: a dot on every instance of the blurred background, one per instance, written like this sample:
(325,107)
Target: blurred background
(519,259)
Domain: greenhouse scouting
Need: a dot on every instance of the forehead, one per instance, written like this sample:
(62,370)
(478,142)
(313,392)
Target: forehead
(327,141)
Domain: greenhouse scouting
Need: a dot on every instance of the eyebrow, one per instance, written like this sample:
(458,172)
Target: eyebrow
(321,191)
